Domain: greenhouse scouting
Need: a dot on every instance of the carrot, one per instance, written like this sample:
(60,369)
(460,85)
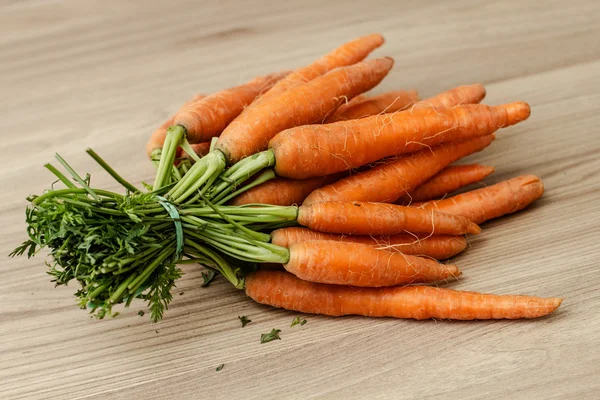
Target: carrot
(346,105)
(300,105)
(468,94)
(347,54)
(206,118)
(313,150)
(284,290)
(447,181)
(384,103)
(357,264)
(283,192)
(158,136)
(493,201)
(387,182)
(439,247)
(361,218)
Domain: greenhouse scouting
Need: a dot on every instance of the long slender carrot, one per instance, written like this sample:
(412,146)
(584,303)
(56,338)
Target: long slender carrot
(206,118)
(468,94)
(448,180)
(284,290)
(384,103)
(439,247)
(357,264)
(387,182)
(158,136)
(283,192)
(363,218)
(493,201)
(347,54)
(313,150)
(303,104)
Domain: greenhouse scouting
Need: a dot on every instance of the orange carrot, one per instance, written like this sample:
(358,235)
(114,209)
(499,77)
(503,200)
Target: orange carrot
(439,247)
(387,182)
(447,181)
(158,136)
(347,54)
(493,201)
(360,218)
(384,103)
(357,264)
(206,118)
(468,94)
(346,105)
(284,290)
(283,192)
(300,105)
(314,150)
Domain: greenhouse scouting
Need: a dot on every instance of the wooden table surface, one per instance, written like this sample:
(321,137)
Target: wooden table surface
(104,74)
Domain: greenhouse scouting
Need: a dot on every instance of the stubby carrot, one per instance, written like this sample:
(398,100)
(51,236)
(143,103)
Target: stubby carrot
(300,105)
(206,118)
(357,264)
(384,103)
(283,192)
(387,182)
(448,180)
(315,150)
(493,201)
(467,94)
(363,218)
(158,136)
(347,54)
(439,247)
(284,290)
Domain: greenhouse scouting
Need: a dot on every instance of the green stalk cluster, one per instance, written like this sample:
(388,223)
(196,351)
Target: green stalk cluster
(124,246)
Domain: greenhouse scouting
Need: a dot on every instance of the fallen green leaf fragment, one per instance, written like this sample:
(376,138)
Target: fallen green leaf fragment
(273,335)
(220,367)
(245,320)
(297,321)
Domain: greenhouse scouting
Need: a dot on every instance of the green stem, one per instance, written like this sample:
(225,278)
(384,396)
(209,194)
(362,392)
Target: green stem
(112,172)
(222,265)
(223,198)
(77,177)
(175,134)
(60,176)
(244,169)
(200,173)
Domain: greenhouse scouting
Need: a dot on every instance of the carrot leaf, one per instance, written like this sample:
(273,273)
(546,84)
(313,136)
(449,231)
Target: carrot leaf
(273,335)
(245,320)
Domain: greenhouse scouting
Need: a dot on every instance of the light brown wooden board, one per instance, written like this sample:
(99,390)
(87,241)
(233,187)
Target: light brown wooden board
(77,74)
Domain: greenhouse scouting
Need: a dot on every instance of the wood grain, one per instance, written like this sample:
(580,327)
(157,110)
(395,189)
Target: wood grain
(104,74)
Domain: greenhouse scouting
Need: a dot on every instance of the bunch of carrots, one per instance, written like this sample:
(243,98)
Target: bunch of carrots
(342,202)
(331,143)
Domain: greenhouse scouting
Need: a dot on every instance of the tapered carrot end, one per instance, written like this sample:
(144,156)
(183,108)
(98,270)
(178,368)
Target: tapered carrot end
(488,170)
(453,271)
(548,306)
(516,112)
(476,92)
(376,38)
(473,228)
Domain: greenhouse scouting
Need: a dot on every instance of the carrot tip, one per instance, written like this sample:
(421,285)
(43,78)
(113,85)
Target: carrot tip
(474,229)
